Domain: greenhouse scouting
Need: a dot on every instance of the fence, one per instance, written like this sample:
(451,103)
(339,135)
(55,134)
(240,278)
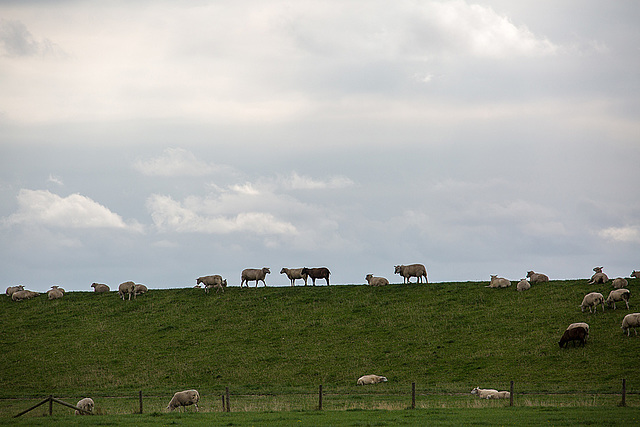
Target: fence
(322,400)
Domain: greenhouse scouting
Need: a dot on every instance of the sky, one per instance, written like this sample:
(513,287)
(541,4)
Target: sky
(160,141)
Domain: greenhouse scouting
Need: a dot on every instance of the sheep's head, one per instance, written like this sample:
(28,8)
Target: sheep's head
(397,269)
(266,270)
(598,269)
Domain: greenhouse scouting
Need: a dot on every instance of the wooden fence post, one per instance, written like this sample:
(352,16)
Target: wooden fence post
(224,408)
(140,394)
(624,392)
(320,398)
(228,404)
(413,395)
(50,404)
(511,394)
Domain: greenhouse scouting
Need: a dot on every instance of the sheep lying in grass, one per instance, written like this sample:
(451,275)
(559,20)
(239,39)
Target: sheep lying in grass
(58,288)
(99,287)
(631,321)
(537,277)
(376,281)
(22,295)
(619,282)
(293,274)
(498,282)
(618,295)
(13,289)
(523,285)
(55,294)
(577,333)
(86,404)
(635,274)
(126,288)
(371,379)
(184,398)
(215,281)
(592,299)
(251,274)
(139,290)
(598,277)
(489,393)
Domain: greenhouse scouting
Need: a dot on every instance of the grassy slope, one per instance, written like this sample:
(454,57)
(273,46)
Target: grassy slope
(445,337)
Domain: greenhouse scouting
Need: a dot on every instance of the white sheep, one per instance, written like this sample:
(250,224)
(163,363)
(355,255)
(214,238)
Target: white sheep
(618,295)
(100,287)
(371,379)
(631,321)
(184,398)
(126,288)
(12,289)
(22,295)
(251,274)
(86,404)
(635,274)
(592,299)
(523,285)
(537,277)
(376,281)
(215,281)
(498,282)
(413,270)
(293,274)
(485,393)
(55,294)
(58,288)
(139,290)
(598,277)
(619,282)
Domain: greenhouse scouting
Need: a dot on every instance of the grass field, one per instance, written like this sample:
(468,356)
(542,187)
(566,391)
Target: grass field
(282,343)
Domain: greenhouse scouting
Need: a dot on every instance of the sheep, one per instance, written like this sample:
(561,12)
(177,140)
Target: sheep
(498,282)
(58,288)
(184,398)
(317,273)
(126,288)
(55,294)
(371,379)
(99,287)
(86,404)
(413,270)
(580,325)
(293,274)
(22,295)
(635,274)
(251,274)
(376,281)
(592,300)
(598,277)
(488,393)
(537,277)
(215,281)
(619,282)
(12,289)
(577,333)
(618,295)
(139,290)
(523,285)
(631,321)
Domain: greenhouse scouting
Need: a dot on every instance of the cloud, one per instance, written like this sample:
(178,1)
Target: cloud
(301,182)
(55,180)
(621,234)
(171,215)
(174,162)
(16,41)
(74,211)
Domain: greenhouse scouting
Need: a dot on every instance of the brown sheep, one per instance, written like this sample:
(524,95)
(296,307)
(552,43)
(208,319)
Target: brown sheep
(317,273)
(574,334)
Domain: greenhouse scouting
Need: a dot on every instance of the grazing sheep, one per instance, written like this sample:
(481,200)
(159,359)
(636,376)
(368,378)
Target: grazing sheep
(376,281)
(592,300)
(86,404)
(99,287)
(317,273)
(126,288)
(139,290)
(537,277)
(635,274)
(577,333)
(580,325)
(12,289)
(251,274)
(55,294)
(487,393)
(215,281)
(22,295)
(523,285)
(598,277)
(371,379)
(498,282)
(184,398)
(618,295)
(619,282)
(631,321)
(413,270)
(293,274)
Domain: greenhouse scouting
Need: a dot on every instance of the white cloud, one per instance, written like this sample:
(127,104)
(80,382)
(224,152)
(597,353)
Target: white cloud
(621,234)
(301,182)
(174,162)
(74,211)
(171,215)
(55,180)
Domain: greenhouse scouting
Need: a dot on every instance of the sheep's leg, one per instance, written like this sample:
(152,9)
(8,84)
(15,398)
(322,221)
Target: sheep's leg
(627,303)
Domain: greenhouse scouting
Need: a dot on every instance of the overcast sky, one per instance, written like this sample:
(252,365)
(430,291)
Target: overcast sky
(159,141)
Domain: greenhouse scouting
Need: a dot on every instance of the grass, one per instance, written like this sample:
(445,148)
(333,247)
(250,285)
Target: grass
(446,337)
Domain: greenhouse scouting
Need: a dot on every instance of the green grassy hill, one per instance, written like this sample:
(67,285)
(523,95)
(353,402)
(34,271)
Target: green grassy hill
(447,337)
